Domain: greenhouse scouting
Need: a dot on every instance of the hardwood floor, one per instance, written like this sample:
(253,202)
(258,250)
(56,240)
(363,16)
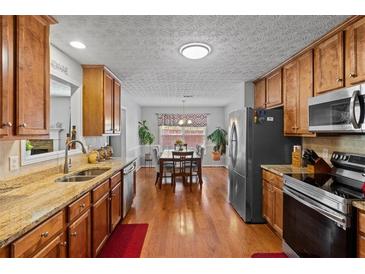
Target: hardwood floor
(195,224)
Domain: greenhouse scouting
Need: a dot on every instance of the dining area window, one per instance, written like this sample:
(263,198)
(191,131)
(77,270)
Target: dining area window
(192,136)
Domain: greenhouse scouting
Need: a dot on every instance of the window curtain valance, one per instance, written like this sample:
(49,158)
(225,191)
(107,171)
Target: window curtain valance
(172,119)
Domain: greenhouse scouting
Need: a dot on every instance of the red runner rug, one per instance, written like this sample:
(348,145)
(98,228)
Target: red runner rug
(269,255)
(125,242)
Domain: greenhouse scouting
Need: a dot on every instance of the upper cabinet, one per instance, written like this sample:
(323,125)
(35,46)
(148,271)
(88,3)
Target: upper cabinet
(355,53)
(274,97)
(25,69)
(298,87)
(6,75)
(260,94)
(329,64)
(101,101)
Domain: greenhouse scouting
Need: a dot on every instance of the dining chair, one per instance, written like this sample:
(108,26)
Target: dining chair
(167,166)
(182,167)
(195,164)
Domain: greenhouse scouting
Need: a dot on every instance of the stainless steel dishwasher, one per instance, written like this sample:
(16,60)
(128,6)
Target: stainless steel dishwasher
(128,187)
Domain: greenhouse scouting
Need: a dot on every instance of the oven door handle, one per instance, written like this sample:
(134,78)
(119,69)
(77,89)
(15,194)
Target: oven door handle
(354,96)
(337,218)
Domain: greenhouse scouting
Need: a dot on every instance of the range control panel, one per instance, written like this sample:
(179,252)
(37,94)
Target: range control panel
(349,160)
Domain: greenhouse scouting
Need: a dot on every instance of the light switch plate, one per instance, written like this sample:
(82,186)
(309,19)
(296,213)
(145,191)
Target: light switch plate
(13,163)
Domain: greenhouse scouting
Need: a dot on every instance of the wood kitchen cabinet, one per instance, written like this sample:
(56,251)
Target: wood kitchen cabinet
(361,234)
(115,206)
(272,200)
(355,53)
(329,64)
(25,70)
(297,88)
(6,74)
(79,235)
(101,101)
(57,248)
(100,225)
(260,94)
(274,94)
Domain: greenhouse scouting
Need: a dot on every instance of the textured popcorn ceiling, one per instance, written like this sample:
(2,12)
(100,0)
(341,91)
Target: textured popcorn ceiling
(144,51)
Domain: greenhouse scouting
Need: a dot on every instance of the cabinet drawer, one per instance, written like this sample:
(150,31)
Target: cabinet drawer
(361,246)
(115,179)
(361,221)
(78,207)
(28,244)
(100,191)
(273,179)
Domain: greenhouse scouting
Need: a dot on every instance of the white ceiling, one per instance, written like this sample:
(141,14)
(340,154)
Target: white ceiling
(144,51)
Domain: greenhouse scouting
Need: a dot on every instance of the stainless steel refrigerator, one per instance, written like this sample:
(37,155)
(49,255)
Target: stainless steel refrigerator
(253,142)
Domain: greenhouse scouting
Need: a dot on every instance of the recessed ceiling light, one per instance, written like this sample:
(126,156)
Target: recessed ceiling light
(195,50)
(77,45)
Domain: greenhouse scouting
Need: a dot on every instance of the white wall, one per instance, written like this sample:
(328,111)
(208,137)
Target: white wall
(216,119)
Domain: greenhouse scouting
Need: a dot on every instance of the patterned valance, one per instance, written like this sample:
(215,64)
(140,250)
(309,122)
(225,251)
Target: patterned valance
(172,119)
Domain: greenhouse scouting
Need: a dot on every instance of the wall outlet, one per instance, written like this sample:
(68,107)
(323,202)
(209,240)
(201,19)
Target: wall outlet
(13,163)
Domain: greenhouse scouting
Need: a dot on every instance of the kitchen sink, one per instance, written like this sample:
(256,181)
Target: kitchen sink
(92,172)
(82,176)
(74,178)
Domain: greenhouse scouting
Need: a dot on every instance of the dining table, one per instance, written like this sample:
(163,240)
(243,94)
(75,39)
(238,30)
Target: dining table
(166,157)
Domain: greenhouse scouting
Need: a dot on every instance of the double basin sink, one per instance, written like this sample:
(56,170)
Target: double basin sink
(82,176)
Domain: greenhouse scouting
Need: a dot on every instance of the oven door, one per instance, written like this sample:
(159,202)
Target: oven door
(338,111)
(313,230)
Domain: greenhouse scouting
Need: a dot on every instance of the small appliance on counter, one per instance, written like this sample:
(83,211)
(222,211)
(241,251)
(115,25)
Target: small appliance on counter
(319,219)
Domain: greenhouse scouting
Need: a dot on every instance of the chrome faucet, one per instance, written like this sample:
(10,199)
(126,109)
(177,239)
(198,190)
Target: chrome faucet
(66,166)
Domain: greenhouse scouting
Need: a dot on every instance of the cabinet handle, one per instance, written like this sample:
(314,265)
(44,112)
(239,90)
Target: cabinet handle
(109,198)
(44,234)
(63,243)
(8,124)
(339,80)
(352,75)
(23,125)
(82,205)
(73,234)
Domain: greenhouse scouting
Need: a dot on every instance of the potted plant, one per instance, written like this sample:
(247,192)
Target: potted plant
(145,136)
(219,138)
(28,148)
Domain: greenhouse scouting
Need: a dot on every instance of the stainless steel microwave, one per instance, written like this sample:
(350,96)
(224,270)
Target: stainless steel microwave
(338,111)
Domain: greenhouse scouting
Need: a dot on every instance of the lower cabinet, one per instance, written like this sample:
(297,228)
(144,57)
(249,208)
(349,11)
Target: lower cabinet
(57,248)
(100,224)
(272,200)
(79,236)
(115,206)
(361,234)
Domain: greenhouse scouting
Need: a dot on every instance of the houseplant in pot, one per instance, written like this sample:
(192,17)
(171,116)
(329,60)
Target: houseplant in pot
(145,136)
(28,148)
(219,138)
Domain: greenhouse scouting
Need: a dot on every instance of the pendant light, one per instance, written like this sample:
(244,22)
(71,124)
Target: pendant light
(183,122)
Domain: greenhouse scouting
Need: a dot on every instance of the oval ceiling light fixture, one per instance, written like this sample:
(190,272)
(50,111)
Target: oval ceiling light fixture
(195,50)
(77,45)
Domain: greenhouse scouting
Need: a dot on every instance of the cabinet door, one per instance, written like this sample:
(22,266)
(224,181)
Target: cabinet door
(328,64)
(361,245)
(100,227)
(108,103)
(278,210)
(115,206)
(55,249)
(260,94)
(116,99)
(355,53)
(274,96)
(32,68)
(267,198)
(291,91)
(6,74)
(305,81)
(79,237)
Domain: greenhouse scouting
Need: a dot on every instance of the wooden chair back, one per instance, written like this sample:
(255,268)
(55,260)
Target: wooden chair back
(182,163)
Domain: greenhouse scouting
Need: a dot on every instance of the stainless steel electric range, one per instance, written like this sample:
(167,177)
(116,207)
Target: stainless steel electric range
(319,220)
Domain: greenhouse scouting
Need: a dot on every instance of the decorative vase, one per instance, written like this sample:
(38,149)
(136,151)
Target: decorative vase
(216,156)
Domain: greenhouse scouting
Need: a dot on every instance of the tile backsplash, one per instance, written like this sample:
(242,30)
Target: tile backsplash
(325,145)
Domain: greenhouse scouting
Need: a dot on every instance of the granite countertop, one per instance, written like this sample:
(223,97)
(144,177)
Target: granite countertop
(33,198)
(359,204)
(284,169)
